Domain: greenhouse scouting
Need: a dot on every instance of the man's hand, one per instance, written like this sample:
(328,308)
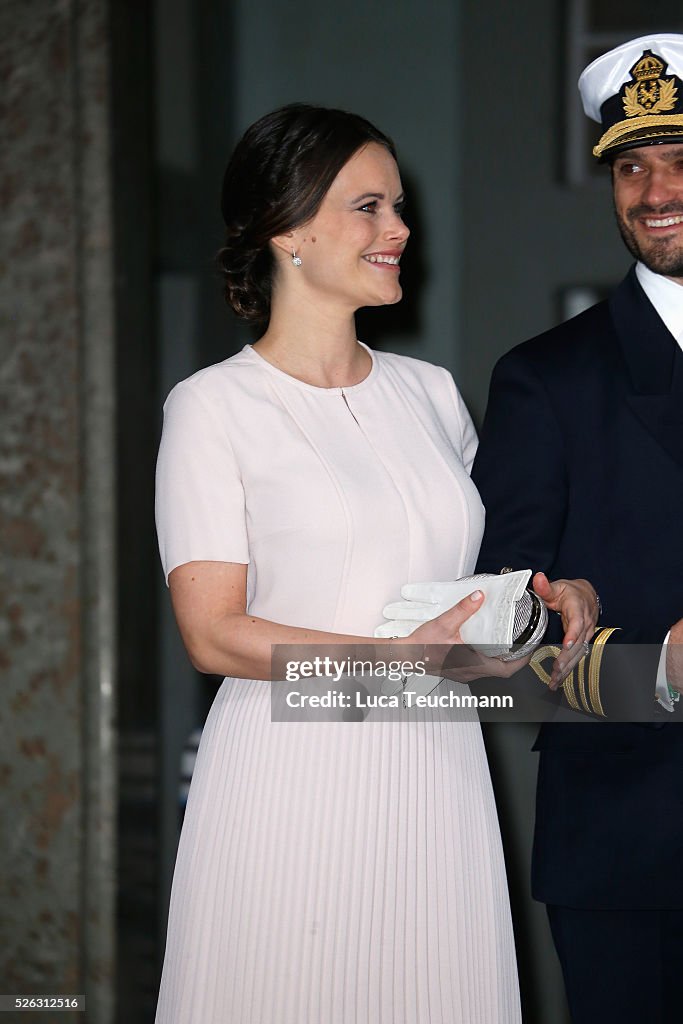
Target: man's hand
(674,657)
(577,603)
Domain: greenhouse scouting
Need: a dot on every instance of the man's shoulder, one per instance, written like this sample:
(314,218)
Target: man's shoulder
(583,336)
(588,338)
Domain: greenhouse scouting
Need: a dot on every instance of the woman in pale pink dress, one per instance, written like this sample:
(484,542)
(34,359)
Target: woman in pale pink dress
(338,872)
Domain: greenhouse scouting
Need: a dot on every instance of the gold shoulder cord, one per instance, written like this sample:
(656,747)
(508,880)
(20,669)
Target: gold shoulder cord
(539,657)
(594,669)
(550,651)
(581,672)
(591,702)
(568,687)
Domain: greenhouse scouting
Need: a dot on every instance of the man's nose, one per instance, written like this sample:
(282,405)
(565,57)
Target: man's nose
(660,187)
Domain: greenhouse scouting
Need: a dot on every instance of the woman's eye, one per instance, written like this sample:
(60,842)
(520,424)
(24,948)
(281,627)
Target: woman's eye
(369,207)
(400,209)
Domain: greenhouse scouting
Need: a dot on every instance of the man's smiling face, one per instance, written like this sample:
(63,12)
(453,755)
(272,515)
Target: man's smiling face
(648,200)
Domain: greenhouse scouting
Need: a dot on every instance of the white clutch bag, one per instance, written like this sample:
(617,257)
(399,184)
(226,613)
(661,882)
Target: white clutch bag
(509,624)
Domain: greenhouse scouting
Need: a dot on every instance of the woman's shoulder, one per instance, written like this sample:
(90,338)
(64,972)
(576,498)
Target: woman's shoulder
(424,381)
(218,379)
(432,388)
(415,370)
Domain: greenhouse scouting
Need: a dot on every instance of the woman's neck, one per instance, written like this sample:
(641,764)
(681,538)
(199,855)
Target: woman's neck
(317,349)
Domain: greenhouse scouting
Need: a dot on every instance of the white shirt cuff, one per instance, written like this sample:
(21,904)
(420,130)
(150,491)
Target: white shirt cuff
(662,693)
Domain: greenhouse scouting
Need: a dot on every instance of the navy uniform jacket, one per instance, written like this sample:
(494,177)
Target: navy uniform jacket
(580,467)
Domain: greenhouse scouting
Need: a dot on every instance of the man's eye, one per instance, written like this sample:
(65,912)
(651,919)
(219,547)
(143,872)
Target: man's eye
(628,169)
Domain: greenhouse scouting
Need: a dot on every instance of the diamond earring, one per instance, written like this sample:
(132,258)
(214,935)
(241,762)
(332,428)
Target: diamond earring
(296,260)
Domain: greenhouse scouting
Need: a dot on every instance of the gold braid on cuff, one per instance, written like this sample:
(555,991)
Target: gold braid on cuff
(591,702)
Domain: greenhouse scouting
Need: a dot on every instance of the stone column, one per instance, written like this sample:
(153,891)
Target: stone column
(57,764)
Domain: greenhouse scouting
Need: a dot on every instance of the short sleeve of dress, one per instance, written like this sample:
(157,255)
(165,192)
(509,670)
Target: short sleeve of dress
(199,506)
(468,433)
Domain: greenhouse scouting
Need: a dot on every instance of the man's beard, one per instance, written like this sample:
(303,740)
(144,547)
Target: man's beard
(660,256)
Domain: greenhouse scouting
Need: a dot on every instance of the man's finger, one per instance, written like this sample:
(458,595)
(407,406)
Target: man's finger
(573,630)
(566,663)
(543,587)
(577,627)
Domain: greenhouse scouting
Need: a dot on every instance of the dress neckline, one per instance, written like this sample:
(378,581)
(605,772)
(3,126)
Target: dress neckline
(264,364)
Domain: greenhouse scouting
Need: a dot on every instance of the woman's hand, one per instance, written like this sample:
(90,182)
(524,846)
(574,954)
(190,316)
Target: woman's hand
(577,603)
(446,653)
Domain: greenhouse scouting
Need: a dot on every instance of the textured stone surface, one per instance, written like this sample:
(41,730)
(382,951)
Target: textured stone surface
(55,288)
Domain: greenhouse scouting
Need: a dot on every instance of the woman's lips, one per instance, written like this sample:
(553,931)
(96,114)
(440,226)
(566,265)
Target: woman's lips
(385,260)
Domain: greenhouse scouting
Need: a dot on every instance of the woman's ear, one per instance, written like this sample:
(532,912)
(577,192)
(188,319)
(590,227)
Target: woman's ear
(285,243)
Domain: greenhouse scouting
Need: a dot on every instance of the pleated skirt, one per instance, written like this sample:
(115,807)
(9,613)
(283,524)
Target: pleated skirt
(338,873)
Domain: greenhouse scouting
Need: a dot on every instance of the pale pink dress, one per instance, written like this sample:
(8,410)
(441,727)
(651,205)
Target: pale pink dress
(330,873)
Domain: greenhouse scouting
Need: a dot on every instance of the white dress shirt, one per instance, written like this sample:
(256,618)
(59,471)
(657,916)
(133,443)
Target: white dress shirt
(666,295)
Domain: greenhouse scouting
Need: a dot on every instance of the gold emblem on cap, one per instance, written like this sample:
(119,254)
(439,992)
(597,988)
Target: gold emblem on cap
(650,93)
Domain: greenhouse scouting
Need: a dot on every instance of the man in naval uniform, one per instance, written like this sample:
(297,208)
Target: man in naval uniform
(580,467)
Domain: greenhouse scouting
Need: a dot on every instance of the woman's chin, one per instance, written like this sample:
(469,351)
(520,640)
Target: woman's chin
(388,297)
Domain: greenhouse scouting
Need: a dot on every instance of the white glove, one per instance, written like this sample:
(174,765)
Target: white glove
(490,629)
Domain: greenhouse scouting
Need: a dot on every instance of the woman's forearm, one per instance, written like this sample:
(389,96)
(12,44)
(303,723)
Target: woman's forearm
(241,645)
(221,638)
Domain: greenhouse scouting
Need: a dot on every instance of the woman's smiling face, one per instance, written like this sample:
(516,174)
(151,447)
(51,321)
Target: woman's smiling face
(350,250)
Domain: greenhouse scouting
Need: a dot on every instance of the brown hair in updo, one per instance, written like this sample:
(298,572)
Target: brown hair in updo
(276,180)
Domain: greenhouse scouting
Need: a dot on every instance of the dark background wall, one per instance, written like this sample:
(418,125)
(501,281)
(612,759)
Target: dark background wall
(57,506)
(120,117)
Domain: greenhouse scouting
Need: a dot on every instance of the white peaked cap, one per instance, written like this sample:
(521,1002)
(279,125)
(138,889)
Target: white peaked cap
(636,92)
